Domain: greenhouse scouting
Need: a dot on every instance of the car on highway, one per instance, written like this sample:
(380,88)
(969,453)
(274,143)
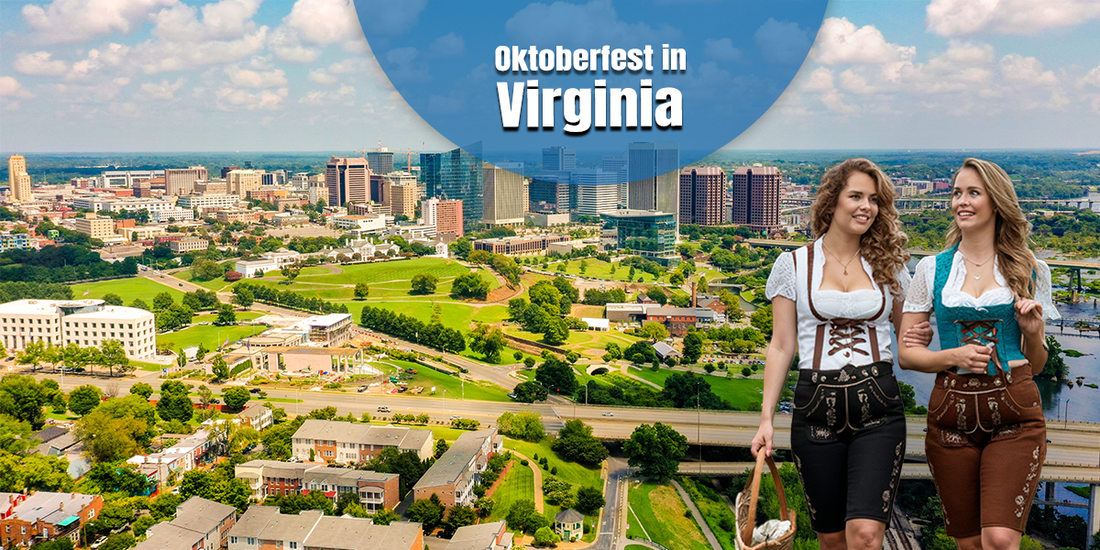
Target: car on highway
(512,395)
(254,390)
(383,409)
(455,417)
(361,389)
(609,413)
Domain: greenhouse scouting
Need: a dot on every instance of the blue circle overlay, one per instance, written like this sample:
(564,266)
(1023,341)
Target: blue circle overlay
(461,64)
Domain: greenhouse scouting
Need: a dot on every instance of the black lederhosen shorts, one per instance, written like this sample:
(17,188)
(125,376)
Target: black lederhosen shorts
(986,445)
(848,440)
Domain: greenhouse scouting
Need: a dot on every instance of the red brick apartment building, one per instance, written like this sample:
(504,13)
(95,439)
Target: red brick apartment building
(26,520)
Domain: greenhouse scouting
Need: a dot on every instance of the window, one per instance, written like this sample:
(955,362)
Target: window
(91,513)
(233,540)
(293,546)
(251,540)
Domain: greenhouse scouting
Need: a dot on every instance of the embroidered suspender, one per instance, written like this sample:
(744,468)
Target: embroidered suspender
(845,333)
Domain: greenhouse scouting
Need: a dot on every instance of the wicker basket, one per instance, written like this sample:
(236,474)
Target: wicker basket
(745,510)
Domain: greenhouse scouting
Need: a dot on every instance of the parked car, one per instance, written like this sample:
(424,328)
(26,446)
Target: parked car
(99,542)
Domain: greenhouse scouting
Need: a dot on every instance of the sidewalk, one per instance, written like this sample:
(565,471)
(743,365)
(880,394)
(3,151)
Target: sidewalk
(711,539)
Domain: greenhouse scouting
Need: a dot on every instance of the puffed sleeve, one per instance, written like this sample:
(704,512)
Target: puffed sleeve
(918,299)
(904,280)
(1043,293)
(781,282)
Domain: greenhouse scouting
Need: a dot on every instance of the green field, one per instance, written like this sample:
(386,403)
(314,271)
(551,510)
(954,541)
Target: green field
(518,484)
(241,316)
(716,512)
(129,289)
(388,271)
(570,472)
(428,378)
(213,284)
(601,270)
(743,393)
(657,514)
(210,335)
(452,314)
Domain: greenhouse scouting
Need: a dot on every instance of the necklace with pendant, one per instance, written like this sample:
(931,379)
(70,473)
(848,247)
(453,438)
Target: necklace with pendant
(976,264)
(844,265)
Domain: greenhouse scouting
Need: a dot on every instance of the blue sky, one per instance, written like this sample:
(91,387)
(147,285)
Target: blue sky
(168,75)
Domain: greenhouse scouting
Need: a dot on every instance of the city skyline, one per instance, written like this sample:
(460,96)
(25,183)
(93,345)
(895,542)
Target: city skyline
(941,74)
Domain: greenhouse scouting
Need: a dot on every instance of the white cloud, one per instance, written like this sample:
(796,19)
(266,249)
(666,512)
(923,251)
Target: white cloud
(161,55)
(448,45)
(782,42)
(721,50)
(38,63)
(10,87)
(854,82)
(349,65)
(1018,69)
(321,77)
(324,21)
(122,81)
(248,78)
(963,17)
(284,42)
(65,21)
(164,90)
(839,41)
(232,99)
(224,19)
(1092,78)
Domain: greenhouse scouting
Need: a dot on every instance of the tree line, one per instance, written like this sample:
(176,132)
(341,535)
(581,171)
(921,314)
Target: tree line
(248,291)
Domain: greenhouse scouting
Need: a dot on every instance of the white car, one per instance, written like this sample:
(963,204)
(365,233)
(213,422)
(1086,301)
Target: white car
(609,413)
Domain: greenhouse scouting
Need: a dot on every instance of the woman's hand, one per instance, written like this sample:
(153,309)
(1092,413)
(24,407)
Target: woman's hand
(919,335)
(973,358)
(1029,315)
(763,439)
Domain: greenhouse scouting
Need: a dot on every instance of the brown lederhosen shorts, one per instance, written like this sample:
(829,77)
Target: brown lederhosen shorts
(986,445)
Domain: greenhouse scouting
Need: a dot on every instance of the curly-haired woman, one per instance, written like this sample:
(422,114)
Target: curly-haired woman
(835,303)
(986,438)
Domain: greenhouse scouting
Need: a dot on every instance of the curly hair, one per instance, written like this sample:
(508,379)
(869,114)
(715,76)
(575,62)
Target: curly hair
(883,245)
(1011,230)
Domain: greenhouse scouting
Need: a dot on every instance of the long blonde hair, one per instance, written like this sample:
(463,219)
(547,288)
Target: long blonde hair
(1011,230)
(883,245)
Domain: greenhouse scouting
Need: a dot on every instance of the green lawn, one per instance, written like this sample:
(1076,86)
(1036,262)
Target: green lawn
(429,378)
(241,316)
(744,394)
(210,335)
(389,271)
(716,512)
(601,270)
(507,356)
(213,284)
(570,472)
(518,485)
(657,514)
(129,289)
(453,315)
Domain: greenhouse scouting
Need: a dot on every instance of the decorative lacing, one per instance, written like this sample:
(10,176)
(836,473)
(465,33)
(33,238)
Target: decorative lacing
(846,334)
(981,332)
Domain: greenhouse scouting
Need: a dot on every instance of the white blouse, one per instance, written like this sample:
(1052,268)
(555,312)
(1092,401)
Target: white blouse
(920,295)
(855,348)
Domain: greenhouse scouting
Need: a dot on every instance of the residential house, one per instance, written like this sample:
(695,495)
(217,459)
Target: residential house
(26,520)
(352,443)
(266,478)
(199,524)
(265,528)
(454,474)
(484,536)
(256,416)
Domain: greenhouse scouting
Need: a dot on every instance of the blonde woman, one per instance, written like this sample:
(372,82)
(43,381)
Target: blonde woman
(836,302)
(986,438)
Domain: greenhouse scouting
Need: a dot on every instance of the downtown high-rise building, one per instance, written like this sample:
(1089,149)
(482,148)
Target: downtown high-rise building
(401,193)
(653,171)
(617,164)
(461,177)
(551,193)
(346,179)
(380,161)
(595,191)
(558,158)
(756,197)
(240,182)
(19,181)
(702,195)
(429,173)
(503,200)
(181,181)
(446,216)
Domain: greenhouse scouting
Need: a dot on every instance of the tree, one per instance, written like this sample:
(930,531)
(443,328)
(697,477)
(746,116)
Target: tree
(296,503)
(761,319)
(428,511)
(243,297)
(83,399)
(226,316)
(385,516)
(557,332)
(488,341)
(557,375)
(220,369)
(693,346)
(521,515)
(108,439)
(530,391)
(112,299)
(235,397)
(545,536)
(441,447)
(424,283)
(589,500)
(484,507)
(142,389)
(174,404)
(525,425)
(1056,364)
(656,450)
(657,294)
(361,291)
(458,516)
(654,331)
(470,286)
(162,301)
(689,390)
(22,398)
(112,355)
(576,443)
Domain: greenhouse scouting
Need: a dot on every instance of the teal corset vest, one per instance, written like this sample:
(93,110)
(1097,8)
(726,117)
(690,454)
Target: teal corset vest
(993,326)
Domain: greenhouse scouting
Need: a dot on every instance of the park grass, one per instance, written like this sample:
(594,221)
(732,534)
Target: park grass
(576,337)
(743,393)
(636,547)
(454,315)
(210,335)
(599,269)
(657,514)
(455,388)
(149,367)
(518,485)
(395,270)
(129,289)
(715,511)
(507,356)
(213,284)
(241,316)
(570,472)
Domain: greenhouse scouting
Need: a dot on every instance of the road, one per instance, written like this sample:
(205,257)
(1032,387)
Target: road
(611,533)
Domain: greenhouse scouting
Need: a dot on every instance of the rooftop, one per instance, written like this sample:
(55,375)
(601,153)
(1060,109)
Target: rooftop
(200,515)
(112,312)
(167,536)
(450,467)
(43,505)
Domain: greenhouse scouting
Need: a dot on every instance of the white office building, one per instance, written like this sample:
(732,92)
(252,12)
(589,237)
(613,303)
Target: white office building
(87,323)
